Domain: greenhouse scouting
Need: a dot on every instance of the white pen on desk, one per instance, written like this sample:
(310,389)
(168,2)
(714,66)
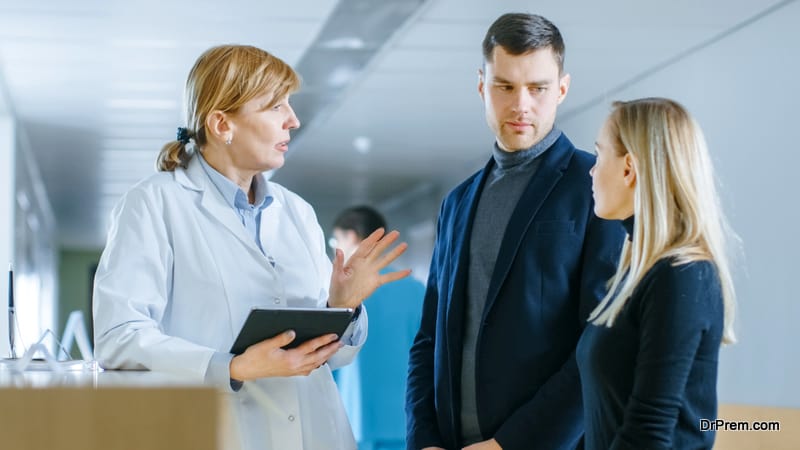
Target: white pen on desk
(11,311)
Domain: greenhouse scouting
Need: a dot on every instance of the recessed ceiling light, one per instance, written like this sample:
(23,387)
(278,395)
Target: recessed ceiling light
(347,42)
(362,144)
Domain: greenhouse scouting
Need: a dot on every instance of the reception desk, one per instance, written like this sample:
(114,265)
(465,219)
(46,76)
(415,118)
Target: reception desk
(109,410)
(132,410)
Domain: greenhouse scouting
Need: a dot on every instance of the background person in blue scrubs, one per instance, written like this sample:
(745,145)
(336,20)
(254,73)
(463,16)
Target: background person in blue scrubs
(373,385)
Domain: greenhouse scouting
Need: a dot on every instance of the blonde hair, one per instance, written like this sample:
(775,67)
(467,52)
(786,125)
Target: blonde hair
(224,78)
(678,213)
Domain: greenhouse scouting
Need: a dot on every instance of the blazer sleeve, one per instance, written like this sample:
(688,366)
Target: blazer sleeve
(556,411)
(422,428)
(131,294)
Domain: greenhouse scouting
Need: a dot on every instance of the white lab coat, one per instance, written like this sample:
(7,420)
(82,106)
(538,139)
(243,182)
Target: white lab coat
(177,279)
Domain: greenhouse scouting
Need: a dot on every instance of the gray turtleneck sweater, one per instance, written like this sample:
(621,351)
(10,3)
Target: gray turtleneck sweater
(502,190)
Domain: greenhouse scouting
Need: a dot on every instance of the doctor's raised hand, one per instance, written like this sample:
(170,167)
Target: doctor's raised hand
(357,278)
(193,248)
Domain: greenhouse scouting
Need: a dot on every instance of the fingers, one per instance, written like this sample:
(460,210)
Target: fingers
(385,242)
(392,255)
(268,359)
(376,243)
(394,276)
(312,345)
(366,246)
(323,354)
(278,341)
(309,361)
(338,260)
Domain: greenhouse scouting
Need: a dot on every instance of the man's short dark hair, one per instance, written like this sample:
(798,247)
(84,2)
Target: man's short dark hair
(361,219)
(520,33)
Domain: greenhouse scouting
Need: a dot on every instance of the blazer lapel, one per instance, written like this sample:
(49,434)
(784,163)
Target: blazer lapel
(554,163)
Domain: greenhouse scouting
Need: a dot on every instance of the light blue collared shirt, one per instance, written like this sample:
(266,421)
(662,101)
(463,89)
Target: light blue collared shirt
(250,215)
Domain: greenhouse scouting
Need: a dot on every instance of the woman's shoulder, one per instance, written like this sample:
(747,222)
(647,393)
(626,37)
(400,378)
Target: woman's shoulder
(692,283)
(285,195)
(291,200)
(154,188)
(677,269)
(156,181)
(680,296)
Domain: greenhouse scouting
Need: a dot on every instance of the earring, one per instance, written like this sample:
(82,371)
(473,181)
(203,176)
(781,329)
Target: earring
(229,140)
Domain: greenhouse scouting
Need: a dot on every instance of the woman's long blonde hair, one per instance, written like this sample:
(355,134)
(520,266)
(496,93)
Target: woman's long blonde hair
(677,209)
(224,78)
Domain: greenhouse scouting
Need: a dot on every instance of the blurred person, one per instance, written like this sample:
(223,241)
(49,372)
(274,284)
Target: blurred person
(373,386)
(194,247)
(649,358)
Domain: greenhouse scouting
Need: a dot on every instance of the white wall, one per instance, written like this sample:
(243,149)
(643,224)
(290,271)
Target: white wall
(6,215)
(35,250)
(744,92)
(27,237)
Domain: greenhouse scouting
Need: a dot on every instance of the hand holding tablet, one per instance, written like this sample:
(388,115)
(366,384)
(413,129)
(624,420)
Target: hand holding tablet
(287,342)
(307,323)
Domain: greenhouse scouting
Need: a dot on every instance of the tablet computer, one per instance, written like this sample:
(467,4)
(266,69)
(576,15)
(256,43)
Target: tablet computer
(307,323)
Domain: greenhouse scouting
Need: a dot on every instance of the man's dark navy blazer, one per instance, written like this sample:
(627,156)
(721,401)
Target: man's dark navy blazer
(551,271)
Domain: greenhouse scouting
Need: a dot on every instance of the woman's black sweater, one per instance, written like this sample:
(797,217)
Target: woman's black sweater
(649,380)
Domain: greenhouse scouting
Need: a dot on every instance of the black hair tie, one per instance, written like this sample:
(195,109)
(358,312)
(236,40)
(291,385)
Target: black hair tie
(182,135)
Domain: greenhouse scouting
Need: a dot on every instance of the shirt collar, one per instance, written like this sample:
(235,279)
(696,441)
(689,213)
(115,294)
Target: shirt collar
(234,196)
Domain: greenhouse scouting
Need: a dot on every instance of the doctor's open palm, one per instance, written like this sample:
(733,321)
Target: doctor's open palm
(357,278)
(352,281)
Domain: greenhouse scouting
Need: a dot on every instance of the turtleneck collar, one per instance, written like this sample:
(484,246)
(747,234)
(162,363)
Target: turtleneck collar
(628,224)
(507,160)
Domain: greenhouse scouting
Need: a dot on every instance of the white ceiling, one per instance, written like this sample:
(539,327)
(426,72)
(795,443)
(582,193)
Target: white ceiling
(97,85)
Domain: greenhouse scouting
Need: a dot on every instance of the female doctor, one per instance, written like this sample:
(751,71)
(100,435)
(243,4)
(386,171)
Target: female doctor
(194,247)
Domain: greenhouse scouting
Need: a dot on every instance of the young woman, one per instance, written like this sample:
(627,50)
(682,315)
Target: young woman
(648,361)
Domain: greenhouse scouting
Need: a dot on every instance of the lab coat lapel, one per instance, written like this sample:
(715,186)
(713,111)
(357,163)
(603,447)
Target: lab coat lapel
(213,204)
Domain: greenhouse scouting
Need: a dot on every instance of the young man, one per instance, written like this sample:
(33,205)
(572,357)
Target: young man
(373,385)
(520,261)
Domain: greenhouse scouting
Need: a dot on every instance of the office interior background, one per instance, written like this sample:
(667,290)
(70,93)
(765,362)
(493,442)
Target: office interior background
(91,89)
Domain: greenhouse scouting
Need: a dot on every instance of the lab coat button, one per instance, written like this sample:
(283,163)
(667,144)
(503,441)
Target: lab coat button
(277,300)
(291,418)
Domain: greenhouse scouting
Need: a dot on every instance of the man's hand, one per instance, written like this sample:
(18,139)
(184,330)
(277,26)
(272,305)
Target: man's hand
(491,444)
(357,279)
